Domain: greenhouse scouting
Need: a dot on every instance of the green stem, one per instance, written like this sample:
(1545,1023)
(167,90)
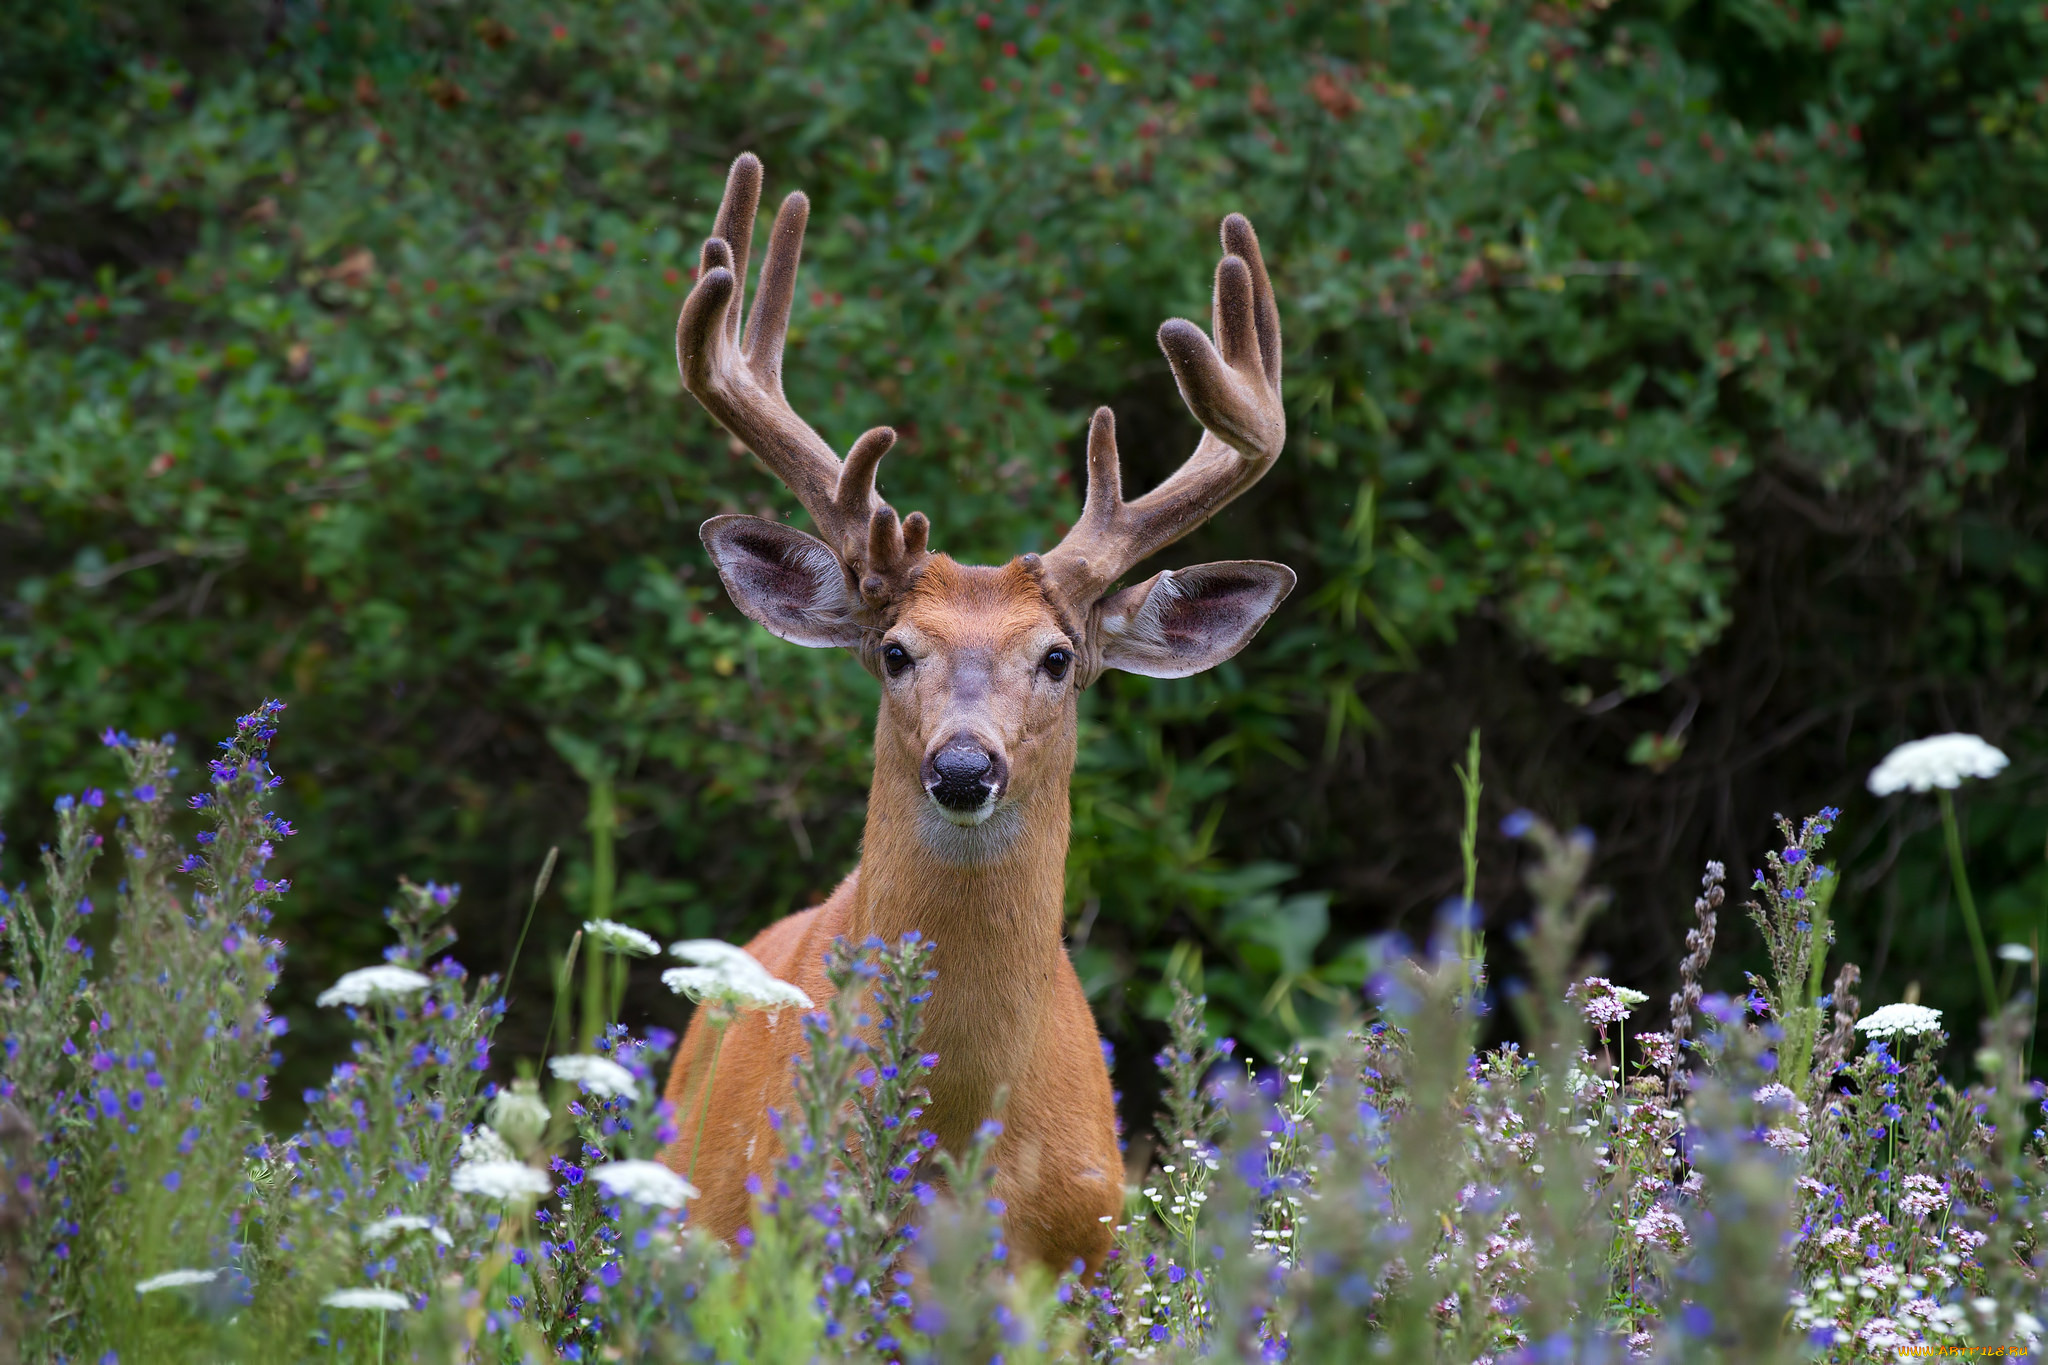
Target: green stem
(1469,944)
(704,1099)
(566,973)
(540,887)
(1967,901)
(601,823)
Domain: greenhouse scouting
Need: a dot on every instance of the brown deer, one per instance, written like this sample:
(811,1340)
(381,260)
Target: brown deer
(981,671)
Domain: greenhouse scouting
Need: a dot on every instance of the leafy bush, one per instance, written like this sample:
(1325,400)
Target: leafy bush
(334,353)
(1750,1185)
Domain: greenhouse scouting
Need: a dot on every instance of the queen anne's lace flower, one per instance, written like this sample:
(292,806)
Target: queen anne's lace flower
(729,976)
(1939,761)
(365,984)
(620,938)
(386,1228)
(483,1144)
(1900,1021)
(519,1116)
(644,1182)
(499,1180)
(374,1300)
(601,1076)
(176,1279)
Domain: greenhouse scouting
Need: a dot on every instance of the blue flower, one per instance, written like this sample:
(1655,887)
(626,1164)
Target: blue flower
(1514,827)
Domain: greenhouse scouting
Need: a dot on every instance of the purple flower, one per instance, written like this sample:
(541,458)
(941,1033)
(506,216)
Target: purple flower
(172,1180)
(146,793)
(1795,856)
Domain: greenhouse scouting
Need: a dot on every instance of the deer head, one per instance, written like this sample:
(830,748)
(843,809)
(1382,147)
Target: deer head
(980,667)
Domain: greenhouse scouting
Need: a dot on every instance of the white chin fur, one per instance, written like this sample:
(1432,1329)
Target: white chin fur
(966,819)
(967,838)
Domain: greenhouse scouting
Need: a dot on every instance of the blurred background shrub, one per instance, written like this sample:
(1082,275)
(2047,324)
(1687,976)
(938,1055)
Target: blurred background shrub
(1663,385)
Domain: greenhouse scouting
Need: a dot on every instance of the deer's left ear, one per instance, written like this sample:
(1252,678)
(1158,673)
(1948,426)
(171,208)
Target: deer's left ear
(1181,621)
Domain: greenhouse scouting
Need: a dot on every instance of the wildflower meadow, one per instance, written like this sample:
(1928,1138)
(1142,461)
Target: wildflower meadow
(1795,1174)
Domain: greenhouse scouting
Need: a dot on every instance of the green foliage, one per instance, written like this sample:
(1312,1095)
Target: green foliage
(334,358)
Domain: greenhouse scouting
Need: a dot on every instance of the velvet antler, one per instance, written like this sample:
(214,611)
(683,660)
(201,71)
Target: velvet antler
(1233,389)
(739,381)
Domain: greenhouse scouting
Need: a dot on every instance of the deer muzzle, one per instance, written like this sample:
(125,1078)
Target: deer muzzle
(965,778)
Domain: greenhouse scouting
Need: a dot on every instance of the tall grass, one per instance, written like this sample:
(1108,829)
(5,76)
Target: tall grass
(1761,1182)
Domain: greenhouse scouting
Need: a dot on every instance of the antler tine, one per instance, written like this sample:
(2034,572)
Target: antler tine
(739,382)
(1233,388)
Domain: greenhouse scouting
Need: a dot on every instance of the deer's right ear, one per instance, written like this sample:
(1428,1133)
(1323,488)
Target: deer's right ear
(790,582)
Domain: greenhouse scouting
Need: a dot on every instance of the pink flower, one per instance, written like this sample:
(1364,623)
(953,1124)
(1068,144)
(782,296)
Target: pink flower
(1603,1002)
(1923,1195)
(1661,1227)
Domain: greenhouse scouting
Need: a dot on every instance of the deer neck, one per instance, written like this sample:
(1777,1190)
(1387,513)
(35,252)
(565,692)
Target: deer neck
(992,900)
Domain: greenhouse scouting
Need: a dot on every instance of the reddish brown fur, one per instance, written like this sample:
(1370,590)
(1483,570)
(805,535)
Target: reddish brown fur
(978,687)
(1007,1016)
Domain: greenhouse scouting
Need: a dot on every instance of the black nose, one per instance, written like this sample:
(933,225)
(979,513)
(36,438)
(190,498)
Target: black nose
(962,775)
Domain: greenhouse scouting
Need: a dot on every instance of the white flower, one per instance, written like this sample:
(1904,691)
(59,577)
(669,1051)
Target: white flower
(385,1228)
(397,1223)
(710,952)
(519,1116)
(365,984)
(620,938)
(601,1076)
(378,1300)
(644,1182)
(729,976)
(2015,952)
(1901,1021)
(1940,761)
(499,1180)
(176,1279)
(483,1145)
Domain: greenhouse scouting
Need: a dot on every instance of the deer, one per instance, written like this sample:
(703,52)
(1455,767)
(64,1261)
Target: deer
(981,670)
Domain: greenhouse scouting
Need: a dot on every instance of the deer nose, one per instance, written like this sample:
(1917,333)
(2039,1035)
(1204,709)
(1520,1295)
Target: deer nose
(963,775)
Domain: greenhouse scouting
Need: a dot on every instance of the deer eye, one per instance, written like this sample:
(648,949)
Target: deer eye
(895,658)
(1057,662)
